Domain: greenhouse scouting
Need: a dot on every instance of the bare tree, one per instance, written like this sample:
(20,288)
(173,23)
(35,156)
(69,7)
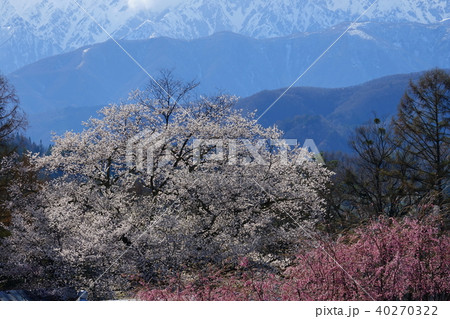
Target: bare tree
(166,93)
(11,117)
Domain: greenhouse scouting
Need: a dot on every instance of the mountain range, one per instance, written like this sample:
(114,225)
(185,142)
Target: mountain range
(34,29)
(100,74)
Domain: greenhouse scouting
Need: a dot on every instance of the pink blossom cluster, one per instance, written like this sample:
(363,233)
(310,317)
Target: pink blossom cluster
(385,260)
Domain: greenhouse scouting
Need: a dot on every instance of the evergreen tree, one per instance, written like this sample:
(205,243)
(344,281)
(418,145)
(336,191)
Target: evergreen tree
(422,129)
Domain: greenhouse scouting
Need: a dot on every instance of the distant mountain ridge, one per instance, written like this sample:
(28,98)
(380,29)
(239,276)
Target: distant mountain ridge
(34,29)
(232,63)
(329,116)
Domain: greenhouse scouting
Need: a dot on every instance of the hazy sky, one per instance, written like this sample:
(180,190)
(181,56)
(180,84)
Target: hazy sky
(152,4)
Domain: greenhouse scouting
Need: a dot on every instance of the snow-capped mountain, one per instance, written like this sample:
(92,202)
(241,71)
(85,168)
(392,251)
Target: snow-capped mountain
(33,29)
(264,19)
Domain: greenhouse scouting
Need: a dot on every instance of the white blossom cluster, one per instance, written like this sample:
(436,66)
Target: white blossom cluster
(95,221)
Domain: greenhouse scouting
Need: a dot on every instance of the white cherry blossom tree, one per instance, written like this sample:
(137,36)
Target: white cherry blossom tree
(219,186)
